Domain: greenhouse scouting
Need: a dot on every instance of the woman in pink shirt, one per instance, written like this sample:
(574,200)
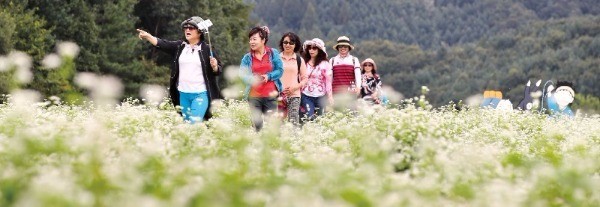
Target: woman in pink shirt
(293,78)
(318,85)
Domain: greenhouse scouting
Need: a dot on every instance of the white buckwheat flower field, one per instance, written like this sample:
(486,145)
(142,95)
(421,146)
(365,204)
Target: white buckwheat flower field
(411,154)
(135,154)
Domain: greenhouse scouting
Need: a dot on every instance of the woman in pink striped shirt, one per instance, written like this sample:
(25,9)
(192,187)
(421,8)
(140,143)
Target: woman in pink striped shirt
(346,68)
(318,86)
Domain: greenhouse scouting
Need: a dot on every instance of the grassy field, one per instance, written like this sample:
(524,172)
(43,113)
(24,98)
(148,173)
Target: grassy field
(141,155)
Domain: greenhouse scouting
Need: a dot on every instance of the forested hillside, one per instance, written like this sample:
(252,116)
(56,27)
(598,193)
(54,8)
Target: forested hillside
(428,23)
(456,47)
(565,49)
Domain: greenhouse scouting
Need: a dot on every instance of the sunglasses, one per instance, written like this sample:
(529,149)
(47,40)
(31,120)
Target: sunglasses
(343,46)
(288,43)
(368,64)
(189,28)
(312,48)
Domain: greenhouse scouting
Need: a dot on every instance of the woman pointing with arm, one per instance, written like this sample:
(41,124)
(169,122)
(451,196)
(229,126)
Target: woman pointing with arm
(193,81)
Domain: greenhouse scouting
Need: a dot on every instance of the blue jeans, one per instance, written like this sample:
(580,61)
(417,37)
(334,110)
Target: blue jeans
(313,106)
(490,102)
(193,106)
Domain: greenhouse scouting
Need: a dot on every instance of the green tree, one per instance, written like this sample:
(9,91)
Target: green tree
(23,30)
(586,103)
(229,30)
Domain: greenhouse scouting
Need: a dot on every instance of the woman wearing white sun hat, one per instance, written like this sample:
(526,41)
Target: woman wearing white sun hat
(371,82)
(318,87)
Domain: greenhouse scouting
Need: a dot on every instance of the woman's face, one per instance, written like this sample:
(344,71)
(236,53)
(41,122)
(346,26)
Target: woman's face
(256,42)
(343,49)
(191,33)
(368,67)
(288,45)
(313,51)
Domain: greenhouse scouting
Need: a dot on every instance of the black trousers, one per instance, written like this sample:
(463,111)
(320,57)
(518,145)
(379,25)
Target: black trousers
(260,106)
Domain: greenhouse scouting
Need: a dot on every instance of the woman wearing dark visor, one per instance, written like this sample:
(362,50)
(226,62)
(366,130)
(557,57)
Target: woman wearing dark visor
(194,70)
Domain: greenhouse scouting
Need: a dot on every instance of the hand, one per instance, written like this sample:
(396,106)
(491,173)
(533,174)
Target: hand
(143,35)
(265,78)
(375,98)
(330,99)
(357,90)
(214,64)
(287,91)
(550,88)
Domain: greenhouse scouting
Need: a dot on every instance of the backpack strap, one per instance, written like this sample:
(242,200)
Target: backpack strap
(299,62)
(332,60)
(354,59)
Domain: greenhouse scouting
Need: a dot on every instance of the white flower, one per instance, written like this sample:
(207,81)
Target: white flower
(25,97)
(4,64)
(24,75)
(23,63)
(474,100)
(231,73)
(51,61)
(43,104)
(86,80)
(215,105)
(231,92)
(391,94)
(67,49)
(153,93)
(20,59)
(107,87)
(55,99)
(103,89)
(424,89)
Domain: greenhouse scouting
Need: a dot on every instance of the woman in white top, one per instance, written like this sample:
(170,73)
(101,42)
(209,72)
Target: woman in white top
(193,82)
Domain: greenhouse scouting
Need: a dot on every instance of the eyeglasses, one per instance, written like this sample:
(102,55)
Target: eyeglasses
(368,64)
(343,46)
(189,28)
(288,43)
(312,48)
